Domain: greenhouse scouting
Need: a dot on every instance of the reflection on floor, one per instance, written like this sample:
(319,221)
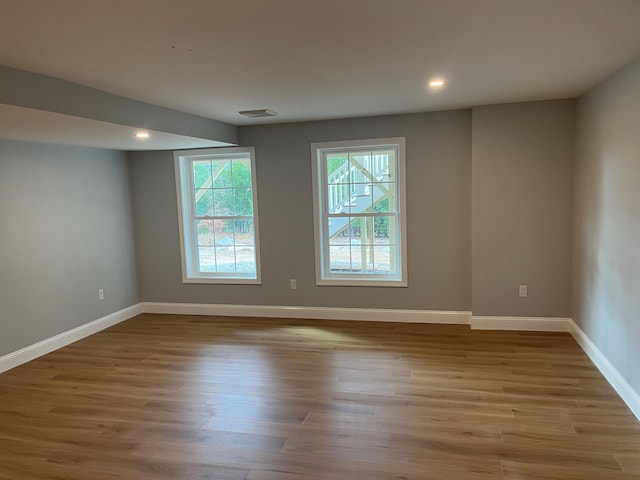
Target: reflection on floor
(184,397)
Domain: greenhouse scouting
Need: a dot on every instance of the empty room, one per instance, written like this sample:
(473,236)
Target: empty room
(341,239)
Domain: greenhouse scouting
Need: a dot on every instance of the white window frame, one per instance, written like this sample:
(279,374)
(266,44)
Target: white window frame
(324,276)
(186,216)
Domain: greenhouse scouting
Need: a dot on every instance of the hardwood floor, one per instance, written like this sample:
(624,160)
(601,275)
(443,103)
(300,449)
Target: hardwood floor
(181,397)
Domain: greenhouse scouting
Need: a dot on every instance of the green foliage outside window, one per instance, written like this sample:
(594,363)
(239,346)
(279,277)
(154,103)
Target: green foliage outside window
(229,193)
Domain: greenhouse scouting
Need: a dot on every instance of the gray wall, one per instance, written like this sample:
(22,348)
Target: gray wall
(41,92)
(606,275)
(439,217)
(66,232)
(521,229)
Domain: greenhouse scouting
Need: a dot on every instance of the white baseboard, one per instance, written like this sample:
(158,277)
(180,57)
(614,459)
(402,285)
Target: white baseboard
(611,373)
(36,350)
(534,324)
(314,313)
(540,324)
(24,355)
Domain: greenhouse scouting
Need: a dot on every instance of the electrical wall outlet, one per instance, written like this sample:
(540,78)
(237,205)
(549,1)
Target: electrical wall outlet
(101,294)
(523,291)
(294,283)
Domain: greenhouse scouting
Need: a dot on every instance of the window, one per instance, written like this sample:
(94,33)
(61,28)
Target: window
(359,191)
(218,215)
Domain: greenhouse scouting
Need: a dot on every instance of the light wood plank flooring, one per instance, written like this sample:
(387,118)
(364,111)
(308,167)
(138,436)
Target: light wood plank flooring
(181,397)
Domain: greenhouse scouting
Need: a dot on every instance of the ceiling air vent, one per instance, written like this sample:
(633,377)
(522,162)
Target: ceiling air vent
(263,112)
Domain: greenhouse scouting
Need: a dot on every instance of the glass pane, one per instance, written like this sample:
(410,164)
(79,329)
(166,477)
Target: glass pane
(241,173)
(361,200)
(355,230)
(361,166)
(381,230)
(246,259)
(226,259)
(356,258)
(342,237)
(384,165)
(243,201)
(338,226)
(363,187)
(367,229)
(381,257)
(204,202)
(384,197)
(224,204)
(244,232)
(384,230)
(204,229)
(207,259)
(338,188)
(221,173)
(201,174)
(224,232)
(339,258)
(365,260)
(382,205)
(339,197)
(337,169)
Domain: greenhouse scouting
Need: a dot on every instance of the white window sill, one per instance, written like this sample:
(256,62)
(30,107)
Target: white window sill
(227,281)
(360,282)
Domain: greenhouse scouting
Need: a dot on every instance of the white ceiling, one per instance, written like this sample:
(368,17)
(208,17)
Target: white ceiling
(314,59)
(18,123)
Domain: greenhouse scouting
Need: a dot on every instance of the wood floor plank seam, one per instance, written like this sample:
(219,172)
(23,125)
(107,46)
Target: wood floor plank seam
(163,397)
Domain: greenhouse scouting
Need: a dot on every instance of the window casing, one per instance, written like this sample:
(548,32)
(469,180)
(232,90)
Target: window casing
(218,215)
(359,212)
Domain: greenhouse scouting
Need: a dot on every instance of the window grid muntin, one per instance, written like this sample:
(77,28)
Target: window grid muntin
(393,165)
(197,267)
(194,259)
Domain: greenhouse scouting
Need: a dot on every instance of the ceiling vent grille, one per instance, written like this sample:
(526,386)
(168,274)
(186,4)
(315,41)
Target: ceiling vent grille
(263,112)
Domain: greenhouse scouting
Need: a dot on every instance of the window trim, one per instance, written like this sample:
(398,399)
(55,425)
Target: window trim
(184,186)
(319,198)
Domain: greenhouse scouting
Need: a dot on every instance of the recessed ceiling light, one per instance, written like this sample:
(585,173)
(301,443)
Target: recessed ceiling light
(436,83)
(142,135)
